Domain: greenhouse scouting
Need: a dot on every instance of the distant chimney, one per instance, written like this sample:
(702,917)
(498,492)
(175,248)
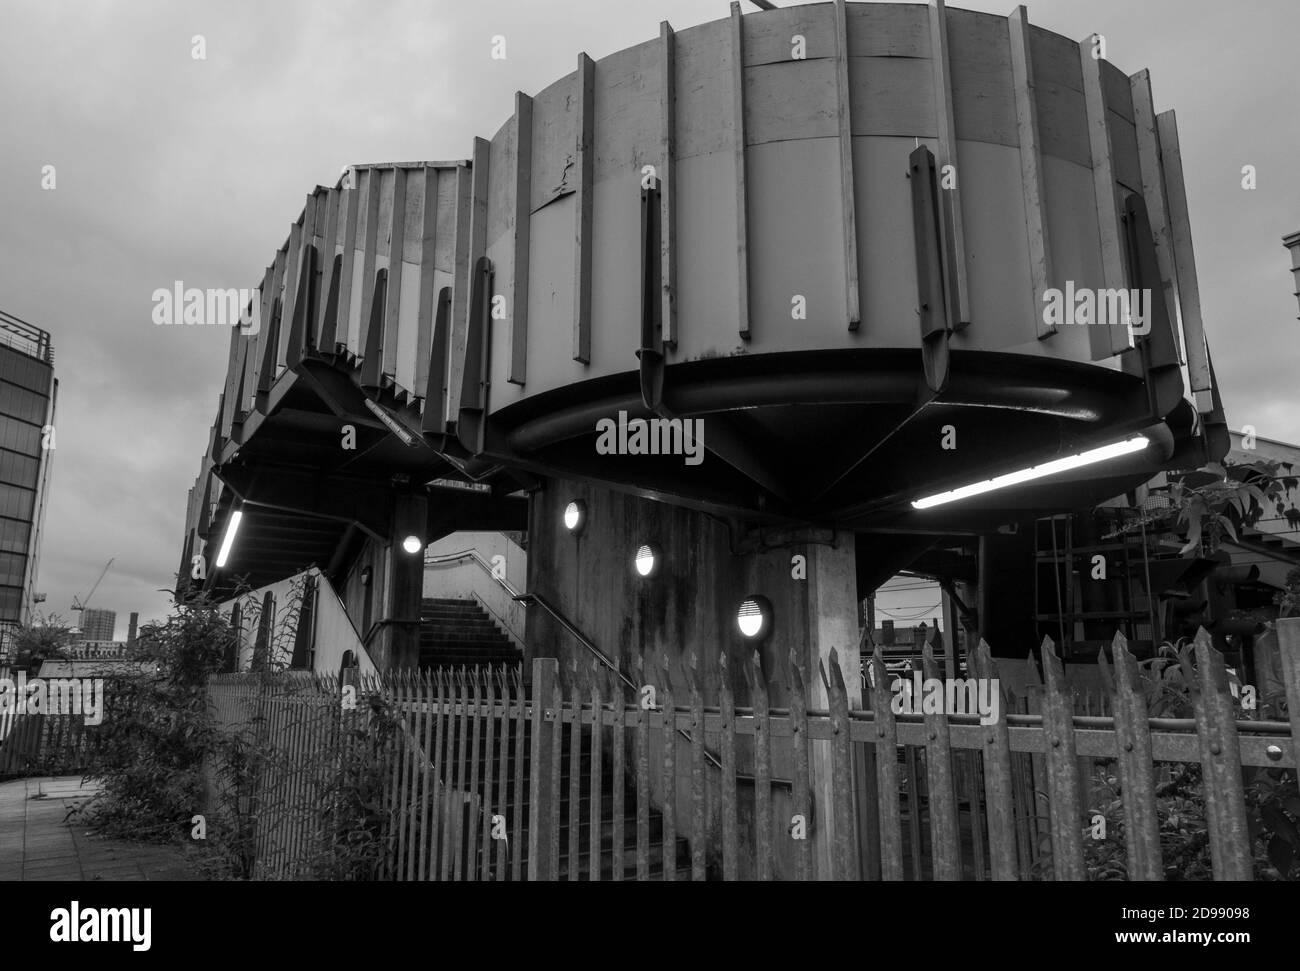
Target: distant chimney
(130,631)
(1292,243)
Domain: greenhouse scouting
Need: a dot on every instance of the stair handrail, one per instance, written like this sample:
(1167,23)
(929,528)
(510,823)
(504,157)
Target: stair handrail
(441,559)
(528,599)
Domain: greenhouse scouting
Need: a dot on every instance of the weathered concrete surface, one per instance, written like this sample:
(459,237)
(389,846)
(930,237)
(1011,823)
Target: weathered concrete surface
(38,843)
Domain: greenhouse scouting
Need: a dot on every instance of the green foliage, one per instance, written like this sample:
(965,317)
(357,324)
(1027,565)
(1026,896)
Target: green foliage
(163,759)
(44,639)
(1272,800)
(149,753)
(1237,498)
(1288,600)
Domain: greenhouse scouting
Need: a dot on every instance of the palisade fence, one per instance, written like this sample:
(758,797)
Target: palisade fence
(43,745)
(485,777)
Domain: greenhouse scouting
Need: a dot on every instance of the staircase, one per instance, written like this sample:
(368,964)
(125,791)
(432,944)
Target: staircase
(575,853)
(460,632)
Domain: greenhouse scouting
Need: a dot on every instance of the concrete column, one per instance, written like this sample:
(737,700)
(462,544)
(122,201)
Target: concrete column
(832,611)
(404,586)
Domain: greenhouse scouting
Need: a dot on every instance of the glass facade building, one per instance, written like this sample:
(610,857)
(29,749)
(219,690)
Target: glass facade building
(28,394)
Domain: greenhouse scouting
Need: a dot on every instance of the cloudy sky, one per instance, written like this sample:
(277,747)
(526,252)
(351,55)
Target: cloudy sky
(170,168)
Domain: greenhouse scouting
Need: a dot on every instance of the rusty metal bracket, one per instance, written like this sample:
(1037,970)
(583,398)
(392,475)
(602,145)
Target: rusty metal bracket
(932,281)
(471,423)
(651,351)
(372,365)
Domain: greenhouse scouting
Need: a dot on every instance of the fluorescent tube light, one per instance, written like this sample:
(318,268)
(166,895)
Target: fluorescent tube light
(1114,450)
(228,540)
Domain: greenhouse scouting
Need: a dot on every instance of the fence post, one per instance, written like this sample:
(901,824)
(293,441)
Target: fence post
(1064,804)
(945,838)
(1288,643)
(844,848)
(1136,769)
(802,804)
(999,793)
(1225,803)
(545,722)
(887,788)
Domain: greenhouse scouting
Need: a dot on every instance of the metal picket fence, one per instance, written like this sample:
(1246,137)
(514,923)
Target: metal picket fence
(488,778)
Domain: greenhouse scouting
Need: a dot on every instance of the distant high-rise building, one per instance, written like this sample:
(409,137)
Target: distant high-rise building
(1292,243)
(97,624)
(28,393)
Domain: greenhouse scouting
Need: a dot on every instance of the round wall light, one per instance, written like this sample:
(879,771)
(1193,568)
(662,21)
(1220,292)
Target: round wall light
(412,544)
(575,516)
(754,618)
(647,560)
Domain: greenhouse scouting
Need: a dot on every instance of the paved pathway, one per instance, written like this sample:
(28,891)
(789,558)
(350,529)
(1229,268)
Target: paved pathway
(37,842)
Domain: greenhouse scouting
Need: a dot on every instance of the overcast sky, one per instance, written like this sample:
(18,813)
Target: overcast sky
(170,168)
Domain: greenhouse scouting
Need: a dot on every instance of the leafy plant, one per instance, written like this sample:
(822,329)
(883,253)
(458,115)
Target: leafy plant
(1272,800)
(44,639)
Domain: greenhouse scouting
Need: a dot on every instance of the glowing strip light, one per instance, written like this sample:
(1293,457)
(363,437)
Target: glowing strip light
(228,540)
(392,424)
(1091,457)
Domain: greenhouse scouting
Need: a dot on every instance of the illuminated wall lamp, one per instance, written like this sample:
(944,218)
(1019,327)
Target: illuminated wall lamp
(413,544)
(754,618)
(647,560)
(1091,457)
(575,516)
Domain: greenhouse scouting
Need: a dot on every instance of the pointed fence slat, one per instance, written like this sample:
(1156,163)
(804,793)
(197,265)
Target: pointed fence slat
(844,857)
(1064,800)
(462,776)
(1136,769)
(945,841)
(449,776)
(1288,639)
(887,786)
(803,811)
(998,784)
(556,770)
(699,791)
(594,810)
(668,808)
(727,725)
(618,777)
(762,768)
(434,789)
(642,781)
(475,762)
(574,848)
(520,750)
(490,770)
(1225,804)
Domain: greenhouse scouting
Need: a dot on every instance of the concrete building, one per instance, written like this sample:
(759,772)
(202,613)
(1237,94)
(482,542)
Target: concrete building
(28,394)
(1292,243)
(98,624)
(717,332)
(99,649)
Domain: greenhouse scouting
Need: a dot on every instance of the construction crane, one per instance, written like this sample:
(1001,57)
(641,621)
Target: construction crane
(78,604)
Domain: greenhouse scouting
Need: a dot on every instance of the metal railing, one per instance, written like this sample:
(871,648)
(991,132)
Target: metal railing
(534,599)
(25,337)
